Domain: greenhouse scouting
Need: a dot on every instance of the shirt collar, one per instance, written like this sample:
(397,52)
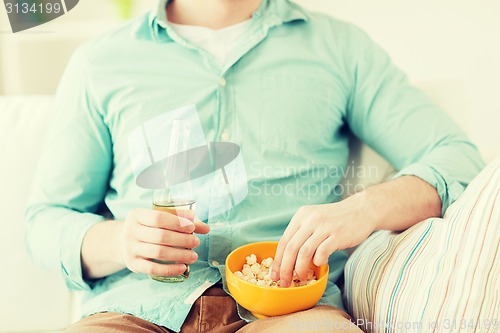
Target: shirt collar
(276,11)
(158,14)
(284,11)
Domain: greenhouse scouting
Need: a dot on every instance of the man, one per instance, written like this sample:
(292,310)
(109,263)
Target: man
(285,85)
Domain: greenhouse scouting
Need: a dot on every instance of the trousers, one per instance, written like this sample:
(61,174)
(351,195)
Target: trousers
(216,312)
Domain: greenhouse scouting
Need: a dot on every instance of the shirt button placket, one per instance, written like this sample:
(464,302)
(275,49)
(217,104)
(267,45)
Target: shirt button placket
(226,105)
(220,235)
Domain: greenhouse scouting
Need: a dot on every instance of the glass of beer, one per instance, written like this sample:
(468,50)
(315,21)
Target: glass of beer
(176,197)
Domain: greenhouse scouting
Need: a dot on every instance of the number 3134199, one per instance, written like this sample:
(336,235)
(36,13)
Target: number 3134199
(26,8)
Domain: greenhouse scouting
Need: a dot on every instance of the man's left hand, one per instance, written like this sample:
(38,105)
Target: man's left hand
(315,232)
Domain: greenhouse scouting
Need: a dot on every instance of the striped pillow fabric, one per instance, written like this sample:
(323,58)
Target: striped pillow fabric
(441,275)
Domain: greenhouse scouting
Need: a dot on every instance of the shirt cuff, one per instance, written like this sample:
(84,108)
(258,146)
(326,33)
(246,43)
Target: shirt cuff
(70,251)
(448,189)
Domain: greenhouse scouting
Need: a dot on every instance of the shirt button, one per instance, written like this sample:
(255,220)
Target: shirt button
(222,82)
(215,263)
(225,135)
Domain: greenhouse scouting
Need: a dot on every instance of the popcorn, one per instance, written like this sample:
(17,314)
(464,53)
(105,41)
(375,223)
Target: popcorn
(247,272)
(260,274)
(255,269)
(251,259)
(267,262)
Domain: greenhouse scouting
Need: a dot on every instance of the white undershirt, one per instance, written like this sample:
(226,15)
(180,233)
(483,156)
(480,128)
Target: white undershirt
(220,43)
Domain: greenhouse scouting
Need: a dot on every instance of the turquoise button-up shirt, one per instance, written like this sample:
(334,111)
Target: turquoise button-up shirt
(291,90)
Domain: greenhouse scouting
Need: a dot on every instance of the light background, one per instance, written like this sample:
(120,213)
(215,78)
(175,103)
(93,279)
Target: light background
(431,40)
(438,41)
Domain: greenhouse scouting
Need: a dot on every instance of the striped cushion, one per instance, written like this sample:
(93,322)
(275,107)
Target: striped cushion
(441,275)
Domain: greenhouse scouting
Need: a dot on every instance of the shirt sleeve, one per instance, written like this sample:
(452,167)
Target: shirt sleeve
(403,125)
(72,178)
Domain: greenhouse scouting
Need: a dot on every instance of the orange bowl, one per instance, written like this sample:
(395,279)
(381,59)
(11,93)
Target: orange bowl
(266,301)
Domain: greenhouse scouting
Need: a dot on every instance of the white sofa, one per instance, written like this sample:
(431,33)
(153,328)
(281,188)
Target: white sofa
(33,300)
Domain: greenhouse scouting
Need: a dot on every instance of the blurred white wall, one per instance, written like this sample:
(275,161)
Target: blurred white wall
(446,39)
(439,40)
(31,62)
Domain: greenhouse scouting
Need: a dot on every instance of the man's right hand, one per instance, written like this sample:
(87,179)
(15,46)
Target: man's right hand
(152,235)
(144,237)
